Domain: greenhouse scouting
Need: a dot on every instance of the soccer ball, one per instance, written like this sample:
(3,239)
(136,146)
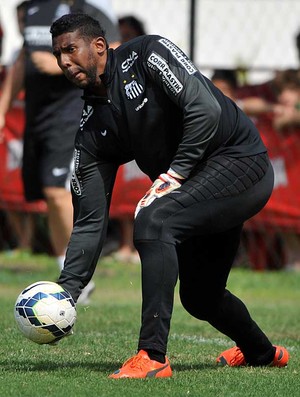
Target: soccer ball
(45,312)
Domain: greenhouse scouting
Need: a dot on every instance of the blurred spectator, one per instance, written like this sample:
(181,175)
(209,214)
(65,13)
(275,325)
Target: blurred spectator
(130,27)
(268,90)
(287,112)
(226,81)
(18,214)
(12,38)
(53,109)
(259,248)
(264,247)
(287,122)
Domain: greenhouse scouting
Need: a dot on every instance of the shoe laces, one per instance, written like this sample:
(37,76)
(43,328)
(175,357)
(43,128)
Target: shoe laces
(237,358)
(137,362)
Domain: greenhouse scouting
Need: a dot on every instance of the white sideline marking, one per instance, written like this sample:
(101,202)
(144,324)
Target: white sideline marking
(217,341)
(201,340)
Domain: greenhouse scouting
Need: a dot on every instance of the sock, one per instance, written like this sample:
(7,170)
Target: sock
(60,261)
(156,356)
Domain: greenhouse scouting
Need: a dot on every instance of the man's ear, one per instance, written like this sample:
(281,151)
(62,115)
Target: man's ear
(100,44)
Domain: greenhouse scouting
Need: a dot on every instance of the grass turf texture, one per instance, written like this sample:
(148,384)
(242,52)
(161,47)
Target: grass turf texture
(106,334)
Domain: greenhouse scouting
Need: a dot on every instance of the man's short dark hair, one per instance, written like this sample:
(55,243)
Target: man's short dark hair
(87,26)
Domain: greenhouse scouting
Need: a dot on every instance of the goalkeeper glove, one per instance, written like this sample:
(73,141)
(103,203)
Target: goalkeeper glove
(163,185)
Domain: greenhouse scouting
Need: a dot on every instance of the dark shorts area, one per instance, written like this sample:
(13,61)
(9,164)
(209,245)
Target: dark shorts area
(47,159)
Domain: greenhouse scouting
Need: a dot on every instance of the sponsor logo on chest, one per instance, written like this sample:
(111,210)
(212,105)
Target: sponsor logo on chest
(127,64)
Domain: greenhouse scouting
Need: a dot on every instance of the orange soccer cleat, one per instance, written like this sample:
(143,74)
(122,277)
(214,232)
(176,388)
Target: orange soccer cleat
(232,357)
(281,357)
(235,358)
(141,366)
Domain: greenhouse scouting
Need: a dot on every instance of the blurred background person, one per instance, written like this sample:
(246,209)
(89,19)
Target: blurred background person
(287,111)
(253,105)
(130,27)
(53,109)
(18,214)
(287,122)
(263,244)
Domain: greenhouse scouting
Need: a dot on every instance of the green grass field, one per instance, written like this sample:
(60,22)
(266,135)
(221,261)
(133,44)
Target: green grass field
(106,334)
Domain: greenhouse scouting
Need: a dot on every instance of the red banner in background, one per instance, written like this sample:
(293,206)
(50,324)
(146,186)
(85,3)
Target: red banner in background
(130,186)
(283,209)
(11,150)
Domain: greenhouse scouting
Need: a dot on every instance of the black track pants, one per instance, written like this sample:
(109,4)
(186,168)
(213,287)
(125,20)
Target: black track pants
(194,233)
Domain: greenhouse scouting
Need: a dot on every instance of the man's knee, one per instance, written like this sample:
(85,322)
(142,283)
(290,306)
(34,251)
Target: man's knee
(57,195)
(196,309)
(201,306)
(150,224)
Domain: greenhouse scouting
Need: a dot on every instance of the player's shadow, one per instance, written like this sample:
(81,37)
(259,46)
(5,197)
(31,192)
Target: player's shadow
(46,365)
(11,364)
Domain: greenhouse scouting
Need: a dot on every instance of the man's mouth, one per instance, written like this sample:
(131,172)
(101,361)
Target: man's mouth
(74,75)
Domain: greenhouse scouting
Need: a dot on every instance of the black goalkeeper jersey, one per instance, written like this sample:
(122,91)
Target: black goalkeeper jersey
(162,112)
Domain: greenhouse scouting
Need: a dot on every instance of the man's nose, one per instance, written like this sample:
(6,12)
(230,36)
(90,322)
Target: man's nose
(65,60)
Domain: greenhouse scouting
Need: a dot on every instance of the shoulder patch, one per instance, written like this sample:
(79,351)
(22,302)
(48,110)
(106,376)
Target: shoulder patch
(158,63)
(179,56)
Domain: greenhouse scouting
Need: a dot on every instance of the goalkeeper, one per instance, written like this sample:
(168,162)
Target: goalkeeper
(210,170)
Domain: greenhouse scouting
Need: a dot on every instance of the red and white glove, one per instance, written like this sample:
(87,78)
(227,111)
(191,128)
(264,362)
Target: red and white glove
(163,185)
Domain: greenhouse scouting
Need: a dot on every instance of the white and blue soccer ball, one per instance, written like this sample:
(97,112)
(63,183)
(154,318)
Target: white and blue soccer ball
(45,312)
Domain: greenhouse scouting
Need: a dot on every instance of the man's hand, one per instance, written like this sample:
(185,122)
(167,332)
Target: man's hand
(163,185)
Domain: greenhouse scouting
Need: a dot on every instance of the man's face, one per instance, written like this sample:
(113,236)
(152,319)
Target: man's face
(78,58)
